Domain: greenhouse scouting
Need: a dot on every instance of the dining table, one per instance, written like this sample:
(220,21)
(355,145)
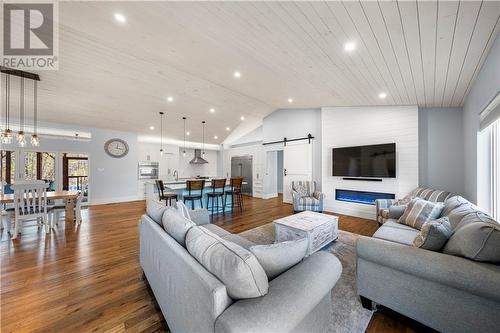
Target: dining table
(69,198)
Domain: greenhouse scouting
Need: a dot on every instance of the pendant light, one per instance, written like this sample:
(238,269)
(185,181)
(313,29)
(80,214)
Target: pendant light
(184,151)
(7,133)
(35,141)
(20,135)
(161,133)
(203,138)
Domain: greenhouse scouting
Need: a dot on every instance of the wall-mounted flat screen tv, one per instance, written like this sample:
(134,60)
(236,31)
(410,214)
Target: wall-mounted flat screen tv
(373,161)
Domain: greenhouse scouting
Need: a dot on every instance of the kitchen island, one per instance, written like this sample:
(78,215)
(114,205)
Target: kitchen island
(179,187)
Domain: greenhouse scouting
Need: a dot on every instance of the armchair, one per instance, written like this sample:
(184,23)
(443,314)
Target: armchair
(306,197)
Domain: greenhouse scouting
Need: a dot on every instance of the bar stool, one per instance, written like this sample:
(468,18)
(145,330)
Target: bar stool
(194,186)
(235,193)
(167,196)
(217,192)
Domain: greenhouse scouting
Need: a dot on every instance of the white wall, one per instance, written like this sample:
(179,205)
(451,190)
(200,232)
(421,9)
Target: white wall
(485,87)
(280,172)
(110,179)
(441,151)
(352,126)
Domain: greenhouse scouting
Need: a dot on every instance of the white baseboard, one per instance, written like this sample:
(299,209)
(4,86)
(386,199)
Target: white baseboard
(114,200)
(270,195)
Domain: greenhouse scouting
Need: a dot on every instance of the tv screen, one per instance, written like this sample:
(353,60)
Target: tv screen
(375,161)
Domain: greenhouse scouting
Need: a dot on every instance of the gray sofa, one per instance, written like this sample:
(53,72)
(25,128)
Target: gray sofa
(193,300)
(445,292)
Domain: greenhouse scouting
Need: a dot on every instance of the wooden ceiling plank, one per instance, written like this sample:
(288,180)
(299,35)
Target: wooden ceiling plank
(427,22)
(362,25)
(376,20)
(467,14)
(487,20)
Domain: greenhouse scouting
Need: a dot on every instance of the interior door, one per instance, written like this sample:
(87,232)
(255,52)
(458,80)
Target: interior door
(297,165)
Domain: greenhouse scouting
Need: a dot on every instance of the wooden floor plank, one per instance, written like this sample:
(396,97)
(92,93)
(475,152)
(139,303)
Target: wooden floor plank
(88,278)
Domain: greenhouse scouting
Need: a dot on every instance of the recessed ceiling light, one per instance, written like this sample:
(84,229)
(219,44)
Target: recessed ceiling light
(242,118)
(228,129)
(170,99)
(152,128)
(350,46)
(120,18)
(382,95)
(237,74)
(290,100)
(216,137)
(188,133)
(212,110)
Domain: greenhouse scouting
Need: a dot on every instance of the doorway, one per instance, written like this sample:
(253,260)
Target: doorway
(75,172)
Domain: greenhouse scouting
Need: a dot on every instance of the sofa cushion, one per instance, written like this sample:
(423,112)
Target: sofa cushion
(235,266)
(420,211)
(395,232)
(433,235)
(243,242)
(216,229)
(155,210)
(396,211)
(430,194)
(478,238)
(176,225)
(456,208)
(279,257)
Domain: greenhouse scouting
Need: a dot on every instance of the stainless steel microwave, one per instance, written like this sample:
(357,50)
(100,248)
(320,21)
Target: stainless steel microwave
(148,170)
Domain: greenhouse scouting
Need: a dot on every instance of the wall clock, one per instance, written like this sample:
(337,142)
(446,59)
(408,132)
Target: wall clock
(116,148)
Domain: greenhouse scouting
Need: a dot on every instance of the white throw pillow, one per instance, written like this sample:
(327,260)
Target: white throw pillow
(183,210)
(176,225)
(235,266)
(279,257)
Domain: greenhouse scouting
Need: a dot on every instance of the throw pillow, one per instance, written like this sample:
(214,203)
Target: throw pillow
(176,225)
(420,211)
(155,210)
(396,211)
(235,266)
(279,257)
(183,210)
(433,235)
(477,240)
(301,190)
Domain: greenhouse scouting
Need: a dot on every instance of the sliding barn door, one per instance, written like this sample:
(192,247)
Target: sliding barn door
(297,165)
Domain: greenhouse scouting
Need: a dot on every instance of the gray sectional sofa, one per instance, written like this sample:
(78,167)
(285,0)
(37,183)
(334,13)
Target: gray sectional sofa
(446,292)
(194,300)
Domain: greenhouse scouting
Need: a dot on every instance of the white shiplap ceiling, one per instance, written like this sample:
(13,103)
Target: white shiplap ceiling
(118,76)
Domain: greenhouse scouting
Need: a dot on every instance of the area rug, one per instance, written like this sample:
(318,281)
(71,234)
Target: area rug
(347,313)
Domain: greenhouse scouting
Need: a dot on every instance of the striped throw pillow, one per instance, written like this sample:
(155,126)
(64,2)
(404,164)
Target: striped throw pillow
(420,211)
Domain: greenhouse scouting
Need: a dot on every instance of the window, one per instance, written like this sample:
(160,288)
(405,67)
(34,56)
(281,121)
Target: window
(75,172)
(8,166)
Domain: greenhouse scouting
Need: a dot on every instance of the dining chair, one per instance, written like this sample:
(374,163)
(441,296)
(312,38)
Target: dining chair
(216,193)
(195,191)
(4,212)
(55,211)
(30,203)
(235,193)
(162,195)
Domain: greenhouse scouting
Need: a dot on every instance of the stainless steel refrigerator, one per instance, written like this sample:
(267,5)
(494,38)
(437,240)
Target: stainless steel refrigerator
(241,166)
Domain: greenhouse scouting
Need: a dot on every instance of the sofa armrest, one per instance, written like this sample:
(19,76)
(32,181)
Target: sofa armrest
(200,216)
(474,277)
(291,297)
(396,211)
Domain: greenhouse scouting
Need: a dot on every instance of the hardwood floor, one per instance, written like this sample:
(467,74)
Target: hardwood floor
(88,278)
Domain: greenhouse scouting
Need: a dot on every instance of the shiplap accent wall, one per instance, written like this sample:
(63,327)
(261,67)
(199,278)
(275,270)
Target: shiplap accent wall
(353,126)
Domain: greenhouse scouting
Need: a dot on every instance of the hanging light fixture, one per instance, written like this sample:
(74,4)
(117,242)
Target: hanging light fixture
(6,137)
(161,133)
(20,134)
(35,140)
(203,138)
(184,151)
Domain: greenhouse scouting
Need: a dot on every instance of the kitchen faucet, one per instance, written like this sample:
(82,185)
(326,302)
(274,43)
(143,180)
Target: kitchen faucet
(176,175)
